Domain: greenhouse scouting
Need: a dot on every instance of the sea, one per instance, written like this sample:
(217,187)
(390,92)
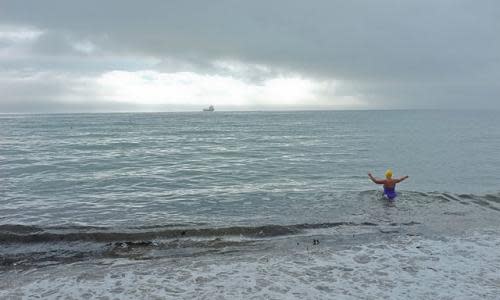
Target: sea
(250,205)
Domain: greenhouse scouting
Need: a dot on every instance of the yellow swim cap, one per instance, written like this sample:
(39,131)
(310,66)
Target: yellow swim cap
(388,173)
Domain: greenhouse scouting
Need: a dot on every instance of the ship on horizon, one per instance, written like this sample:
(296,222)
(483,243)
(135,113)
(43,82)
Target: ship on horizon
(210,108)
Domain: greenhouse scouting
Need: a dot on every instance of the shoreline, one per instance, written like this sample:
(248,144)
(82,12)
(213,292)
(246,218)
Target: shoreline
(410,267)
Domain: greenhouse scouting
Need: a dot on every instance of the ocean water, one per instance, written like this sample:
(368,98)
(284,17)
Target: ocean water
(265,205)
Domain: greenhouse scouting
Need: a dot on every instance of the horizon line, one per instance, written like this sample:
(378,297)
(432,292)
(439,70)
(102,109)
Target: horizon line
(244,111)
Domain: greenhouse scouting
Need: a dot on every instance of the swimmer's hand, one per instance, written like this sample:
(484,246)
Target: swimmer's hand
(375,180)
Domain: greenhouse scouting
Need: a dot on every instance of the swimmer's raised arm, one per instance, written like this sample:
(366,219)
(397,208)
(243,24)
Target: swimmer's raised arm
(375,180)
(401,179)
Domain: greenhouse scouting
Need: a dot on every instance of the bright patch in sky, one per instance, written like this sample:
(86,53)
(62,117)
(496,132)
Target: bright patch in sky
(18,34)
(86,47)
(187,88)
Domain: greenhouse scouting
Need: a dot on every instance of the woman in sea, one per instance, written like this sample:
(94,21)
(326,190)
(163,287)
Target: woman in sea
(389,184)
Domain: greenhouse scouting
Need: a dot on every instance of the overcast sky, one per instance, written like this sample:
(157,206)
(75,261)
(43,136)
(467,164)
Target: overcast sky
(65,56)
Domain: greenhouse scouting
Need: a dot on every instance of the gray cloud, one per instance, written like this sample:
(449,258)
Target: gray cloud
(396,54)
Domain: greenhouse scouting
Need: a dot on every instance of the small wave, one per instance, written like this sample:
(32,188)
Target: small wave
(489,201)
(32,234)
(23,245)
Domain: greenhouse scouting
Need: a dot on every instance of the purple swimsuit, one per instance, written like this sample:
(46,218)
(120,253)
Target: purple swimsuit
(390,193)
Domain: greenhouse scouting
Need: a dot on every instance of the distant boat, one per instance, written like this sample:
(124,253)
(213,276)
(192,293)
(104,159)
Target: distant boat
(210,108)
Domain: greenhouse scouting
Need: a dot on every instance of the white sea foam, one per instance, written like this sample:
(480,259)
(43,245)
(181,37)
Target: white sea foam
(406,267)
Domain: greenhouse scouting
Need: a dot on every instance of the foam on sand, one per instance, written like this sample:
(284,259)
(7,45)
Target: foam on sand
(406,267)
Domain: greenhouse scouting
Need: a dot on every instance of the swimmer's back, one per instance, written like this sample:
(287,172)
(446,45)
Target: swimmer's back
(390,183)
